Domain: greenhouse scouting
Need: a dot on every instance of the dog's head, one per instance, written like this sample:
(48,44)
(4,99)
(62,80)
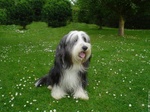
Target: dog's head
(74,48)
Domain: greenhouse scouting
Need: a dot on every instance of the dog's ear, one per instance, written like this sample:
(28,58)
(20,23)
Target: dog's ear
(60,51)
(63,53)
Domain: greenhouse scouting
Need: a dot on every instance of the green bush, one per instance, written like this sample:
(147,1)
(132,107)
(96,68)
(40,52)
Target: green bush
(5,5)
(37,6)
(3,17)
(75,11)
(57,12)
(21,14)
(83,16)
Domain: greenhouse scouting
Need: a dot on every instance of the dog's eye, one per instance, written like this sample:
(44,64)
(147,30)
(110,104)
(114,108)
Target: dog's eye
(84,39)
(75,40)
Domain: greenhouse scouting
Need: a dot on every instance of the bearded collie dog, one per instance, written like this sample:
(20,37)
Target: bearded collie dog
(69,73)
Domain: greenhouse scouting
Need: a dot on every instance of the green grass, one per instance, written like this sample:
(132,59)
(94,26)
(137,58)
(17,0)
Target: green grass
(119,73)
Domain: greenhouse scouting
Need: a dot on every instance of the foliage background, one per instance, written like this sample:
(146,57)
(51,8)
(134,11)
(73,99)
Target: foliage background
(100,12)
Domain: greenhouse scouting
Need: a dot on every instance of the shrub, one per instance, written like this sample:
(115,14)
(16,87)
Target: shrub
(37,6)
(3,17)
(57,12)
(75,11)
(21,14)
(83,16)
(4,6)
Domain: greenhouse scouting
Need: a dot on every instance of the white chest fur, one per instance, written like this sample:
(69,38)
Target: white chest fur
(71,80)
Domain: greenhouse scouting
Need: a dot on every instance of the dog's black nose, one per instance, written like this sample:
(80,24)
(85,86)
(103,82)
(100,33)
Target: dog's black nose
(84,48)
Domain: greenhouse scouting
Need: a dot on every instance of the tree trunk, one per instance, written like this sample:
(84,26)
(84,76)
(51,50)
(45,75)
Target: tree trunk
(121,26)
(24,27)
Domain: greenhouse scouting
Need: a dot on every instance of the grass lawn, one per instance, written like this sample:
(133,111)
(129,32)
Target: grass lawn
(119,73)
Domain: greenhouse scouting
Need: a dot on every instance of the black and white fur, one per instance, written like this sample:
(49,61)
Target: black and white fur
(69,73)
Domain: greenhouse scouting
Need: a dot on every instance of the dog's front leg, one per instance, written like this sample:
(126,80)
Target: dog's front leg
(58,92)
(81,93)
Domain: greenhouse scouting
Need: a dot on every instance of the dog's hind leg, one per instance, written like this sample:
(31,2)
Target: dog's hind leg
(43,81)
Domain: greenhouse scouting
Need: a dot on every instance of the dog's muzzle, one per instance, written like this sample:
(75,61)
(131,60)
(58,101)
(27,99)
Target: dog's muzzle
(82,54)
(84,48)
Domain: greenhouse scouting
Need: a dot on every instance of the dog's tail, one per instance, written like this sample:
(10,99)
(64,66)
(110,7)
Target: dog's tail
(42,81)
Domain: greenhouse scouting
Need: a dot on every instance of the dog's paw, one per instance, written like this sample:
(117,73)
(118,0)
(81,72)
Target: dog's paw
(49,87)
(57,93)
(81,94)
(57,96)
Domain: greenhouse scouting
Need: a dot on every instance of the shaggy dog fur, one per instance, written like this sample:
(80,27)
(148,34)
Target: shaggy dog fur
(69,73)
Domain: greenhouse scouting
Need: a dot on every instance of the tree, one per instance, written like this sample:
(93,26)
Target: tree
(57,12)
(3,16)
(4,7)
(91,12)
(100,9)
(21,14)
(141,19)
(37,6)
(6,3)
(121,8)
